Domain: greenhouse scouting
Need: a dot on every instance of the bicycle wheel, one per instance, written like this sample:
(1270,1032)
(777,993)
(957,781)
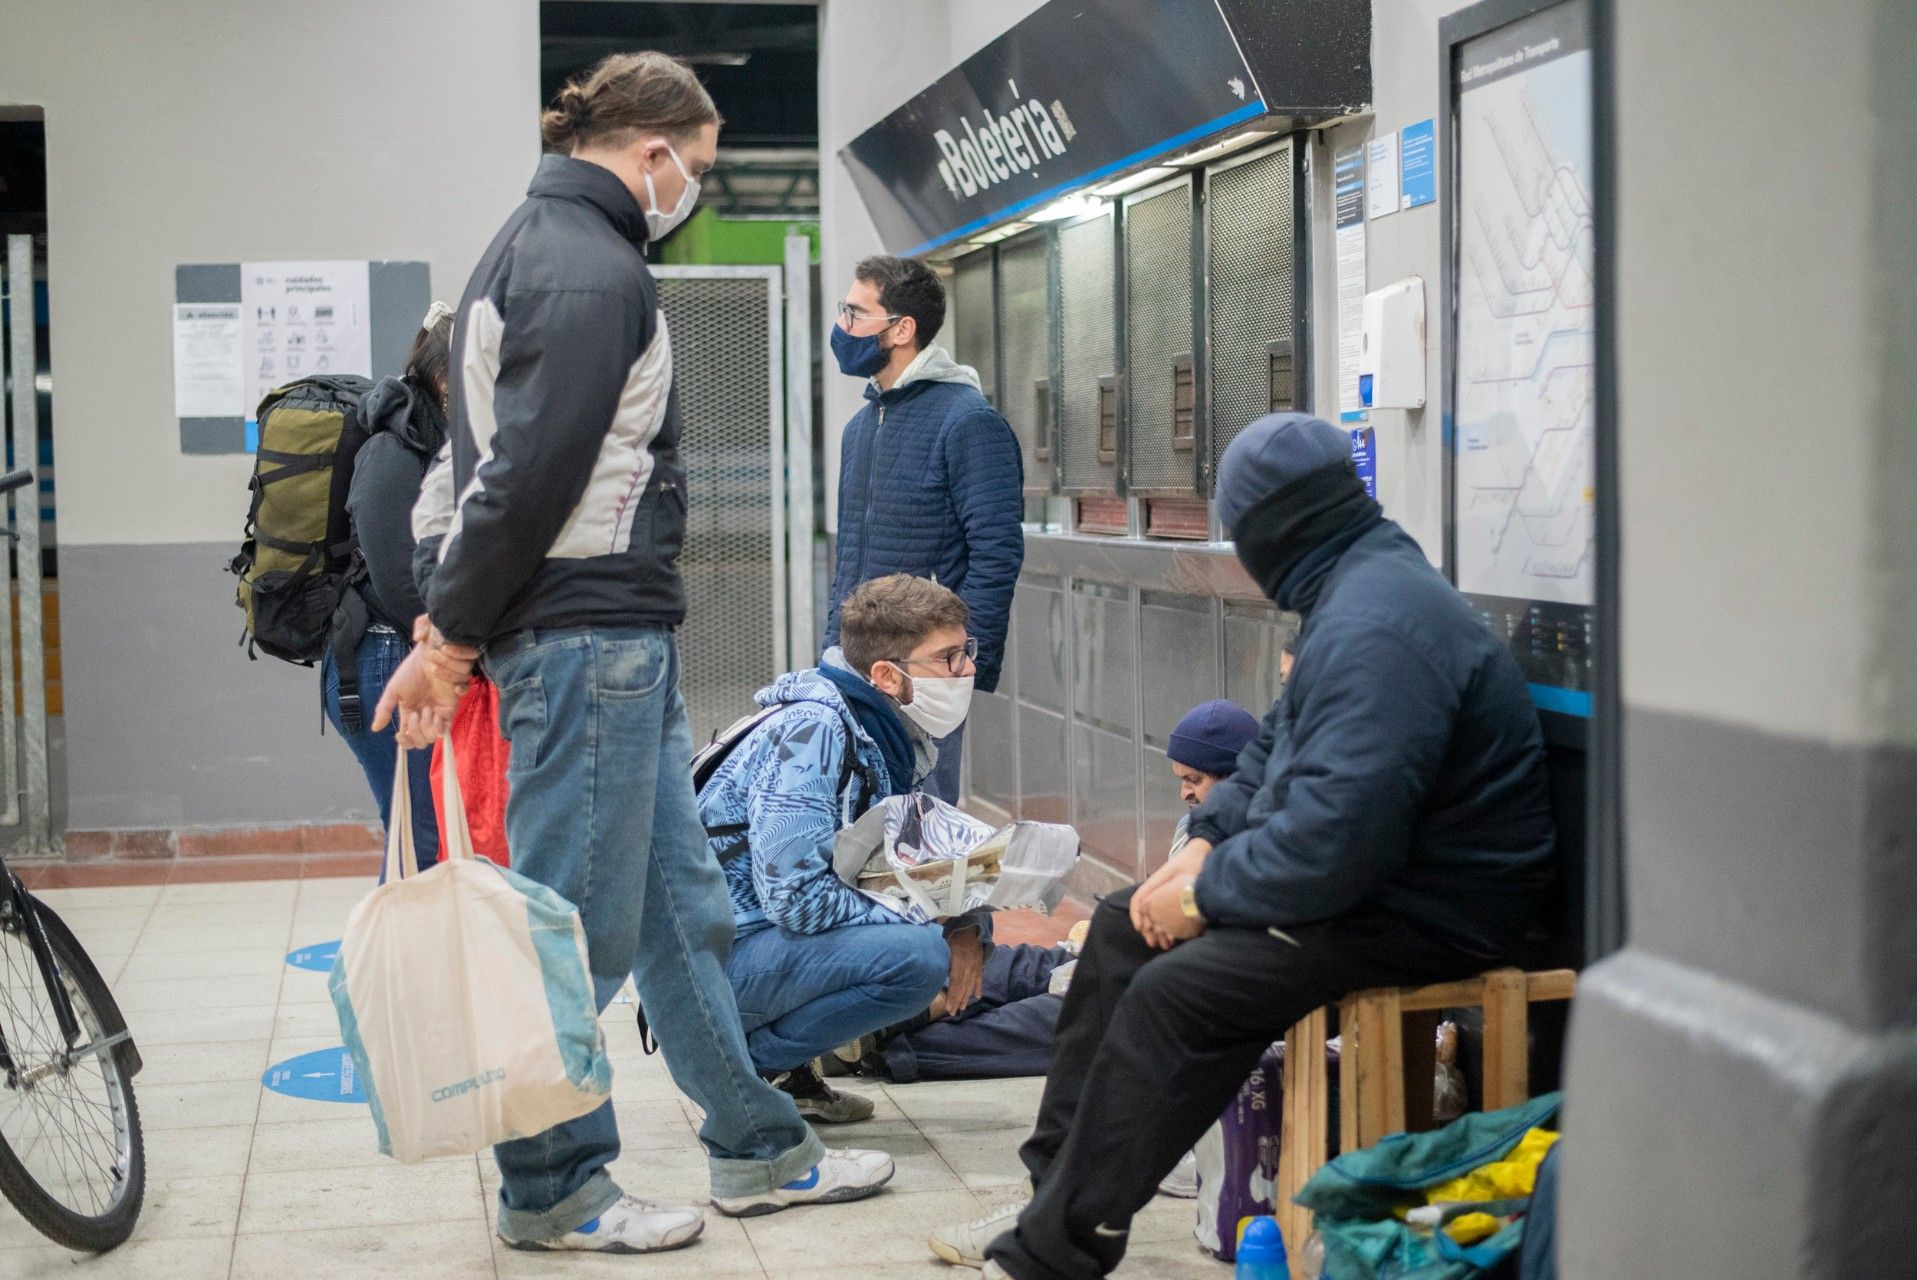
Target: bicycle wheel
(71,1157)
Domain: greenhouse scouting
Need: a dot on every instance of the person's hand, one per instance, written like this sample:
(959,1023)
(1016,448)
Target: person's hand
(423,703)
(1166,924)
(966,981)
(1189,862)
(451,663)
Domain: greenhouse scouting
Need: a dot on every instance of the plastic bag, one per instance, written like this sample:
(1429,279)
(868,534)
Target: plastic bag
(484,754)
(928,860)
(464,996)
(1238,1158)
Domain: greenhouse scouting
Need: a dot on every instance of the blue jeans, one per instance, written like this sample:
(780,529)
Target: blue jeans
(379,655)
(801,995)
(944,781)
(602,811)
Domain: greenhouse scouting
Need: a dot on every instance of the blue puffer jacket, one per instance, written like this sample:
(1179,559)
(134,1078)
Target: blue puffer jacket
(1402,766)
(782,784)
(931,483)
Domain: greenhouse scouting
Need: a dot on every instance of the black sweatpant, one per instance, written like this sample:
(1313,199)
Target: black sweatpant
(1006,1032)
(1152,1045)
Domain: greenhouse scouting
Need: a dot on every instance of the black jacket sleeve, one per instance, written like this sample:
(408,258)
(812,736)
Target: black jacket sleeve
(1367,739)
(386,479)
(564,358)
(1222,815)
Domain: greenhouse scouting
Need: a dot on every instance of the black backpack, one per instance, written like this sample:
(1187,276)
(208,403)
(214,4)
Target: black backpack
(298,562)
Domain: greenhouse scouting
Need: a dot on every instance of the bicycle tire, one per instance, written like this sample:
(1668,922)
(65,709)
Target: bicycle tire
(94,1005)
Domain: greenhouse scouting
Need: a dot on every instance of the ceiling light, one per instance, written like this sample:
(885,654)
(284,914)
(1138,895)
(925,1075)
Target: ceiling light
(1077,206)
(1132,182)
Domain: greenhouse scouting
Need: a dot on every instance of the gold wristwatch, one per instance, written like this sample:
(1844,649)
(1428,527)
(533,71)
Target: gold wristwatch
(1188,901)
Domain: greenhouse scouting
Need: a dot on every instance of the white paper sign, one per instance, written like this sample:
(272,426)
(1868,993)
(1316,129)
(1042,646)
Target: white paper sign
(1348,168)
(302,319)
(207,361)
(1382,181)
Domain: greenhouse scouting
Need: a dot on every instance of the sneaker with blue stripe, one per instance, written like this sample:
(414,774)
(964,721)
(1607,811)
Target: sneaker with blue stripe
(630,1225)
(841,1176)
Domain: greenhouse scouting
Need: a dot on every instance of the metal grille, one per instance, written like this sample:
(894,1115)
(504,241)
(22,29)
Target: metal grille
(973,320)
(1253,295)
(1158,331)
(1025,320)
(1088,418)
(723,337)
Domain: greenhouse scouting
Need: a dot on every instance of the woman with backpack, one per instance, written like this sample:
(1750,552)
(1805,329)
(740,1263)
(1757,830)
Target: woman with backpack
(405,420)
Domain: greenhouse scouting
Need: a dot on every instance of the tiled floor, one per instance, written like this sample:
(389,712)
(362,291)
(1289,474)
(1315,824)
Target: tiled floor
(245,1183)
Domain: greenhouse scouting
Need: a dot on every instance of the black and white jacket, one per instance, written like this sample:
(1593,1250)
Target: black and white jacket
(570,504)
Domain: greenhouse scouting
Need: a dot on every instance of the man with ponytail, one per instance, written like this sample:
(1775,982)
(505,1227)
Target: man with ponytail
(559,566)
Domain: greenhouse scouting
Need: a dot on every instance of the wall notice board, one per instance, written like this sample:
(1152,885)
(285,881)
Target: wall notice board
(242,328)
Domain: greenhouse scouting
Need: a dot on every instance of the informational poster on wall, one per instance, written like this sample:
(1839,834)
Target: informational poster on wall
(1524,390)
(1526,366)
(303,318)
(1348,192)
(207,361)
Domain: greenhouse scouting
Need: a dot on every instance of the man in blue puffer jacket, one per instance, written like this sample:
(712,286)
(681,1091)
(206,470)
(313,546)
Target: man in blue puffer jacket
(1389,826)
(931,481)
(815,963)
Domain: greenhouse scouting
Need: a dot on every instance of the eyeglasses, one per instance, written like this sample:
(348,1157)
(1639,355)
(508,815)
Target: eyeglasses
(953,660)
(850,315)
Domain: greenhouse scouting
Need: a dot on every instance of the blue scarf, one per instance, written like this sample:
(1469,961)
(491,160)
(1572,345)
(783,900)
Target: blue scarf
(874,712)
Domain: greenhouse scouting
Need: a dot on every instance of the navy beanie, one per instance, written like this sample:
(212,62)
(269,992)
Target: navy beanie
(1210,737)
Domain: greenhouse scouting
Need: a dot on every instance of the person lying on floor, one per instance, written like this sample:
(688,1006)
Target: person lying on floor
(815,963)
(1390,826)
(1008,1030)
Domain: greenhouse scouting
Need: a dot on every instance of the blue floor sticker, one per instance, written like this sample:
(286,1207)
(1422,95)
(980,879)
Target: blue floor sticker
(318,957)
(325,1075)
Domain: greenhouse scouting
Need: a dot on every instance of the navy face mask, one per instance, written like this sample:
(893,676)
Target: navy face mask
(858,357)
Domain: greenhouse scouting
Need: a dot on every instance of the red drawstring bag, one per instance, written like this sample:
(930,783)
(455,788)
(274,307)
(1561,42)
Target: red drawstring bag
(482,755)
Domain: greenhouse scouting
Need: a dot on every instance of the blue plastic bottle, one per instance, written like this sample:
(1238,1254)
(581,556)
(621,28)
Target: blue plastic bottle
(1261,1252)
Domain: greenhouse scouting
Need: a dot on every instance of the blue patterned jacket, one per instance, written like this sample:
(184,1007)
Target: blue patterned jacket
(782,783)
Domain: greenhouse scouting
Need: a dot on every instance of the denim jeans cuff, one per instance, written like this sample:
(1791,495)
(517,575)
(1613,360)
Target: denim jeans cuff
(756,1177)
(582,1206)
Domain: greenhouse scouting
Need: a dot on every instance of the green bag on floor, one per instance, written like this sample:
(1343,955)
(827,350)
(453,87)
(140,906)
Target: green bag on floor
(1356,1198)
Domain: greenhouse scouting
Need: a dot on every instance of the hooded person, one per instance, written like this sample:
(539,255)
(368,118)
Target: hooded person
(1389,826)
(816,964)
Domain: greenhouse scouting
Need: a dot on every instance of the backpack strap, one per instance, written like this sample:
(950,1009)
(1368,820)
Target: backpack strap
(847,765)
(350,621)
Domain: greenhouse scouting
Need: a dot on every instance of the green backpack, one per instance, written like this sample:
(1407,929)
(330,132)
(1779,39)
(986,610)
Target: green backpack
(299,558)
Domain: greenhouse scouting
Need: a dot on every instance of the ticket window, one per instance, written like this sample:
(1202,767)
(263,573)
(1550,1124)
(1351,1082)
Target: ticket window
(1025,350)
(1089,409)
(1252,304)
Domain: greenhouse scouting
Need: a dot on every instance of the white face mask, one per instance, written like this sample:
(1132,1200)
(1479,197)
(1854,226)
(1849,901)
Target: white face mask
(659,223)
(939,706)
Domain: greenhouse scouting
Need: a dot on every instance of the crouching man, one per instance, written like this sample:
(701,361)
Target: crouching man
(1388,826)
(815,963)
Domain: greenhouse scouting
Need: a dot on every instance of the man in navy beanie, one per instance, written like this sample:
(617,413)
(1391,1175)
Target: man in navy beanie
(1388,826)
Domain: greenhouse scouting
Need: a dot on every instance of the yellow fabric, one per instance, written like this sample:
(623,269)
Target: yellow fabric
(1469,1228)
(1508,1179)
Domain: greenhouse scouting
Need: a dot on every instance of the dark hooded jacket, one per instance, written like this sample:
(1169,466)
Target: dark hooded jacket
(1403,766)
(407,427)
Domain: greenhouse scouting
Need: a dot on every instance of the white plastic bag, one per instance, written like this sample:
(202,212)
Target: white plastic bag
(929,860)
(464,996)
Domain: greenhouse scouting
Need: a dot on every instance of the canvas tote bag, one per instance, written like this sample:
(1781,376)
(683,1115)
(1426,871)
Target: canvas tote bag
(464,996)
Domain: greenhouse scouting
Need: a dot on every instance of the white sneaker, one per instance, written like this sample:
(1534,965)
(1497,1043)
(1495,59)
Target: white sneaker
(964,1245)
(995,1272)
(841,1176)
(630,1225)
(1182,1181)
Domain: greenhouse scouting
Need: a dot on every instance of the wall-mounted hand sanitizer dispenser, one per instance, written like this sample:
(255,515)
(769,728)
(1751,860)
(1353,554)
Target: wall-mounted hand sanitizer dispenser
(1391,357)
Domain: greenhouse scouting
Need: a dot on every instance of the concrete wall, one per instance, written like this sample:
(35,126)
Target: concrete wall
(216,131)
(1743,1078)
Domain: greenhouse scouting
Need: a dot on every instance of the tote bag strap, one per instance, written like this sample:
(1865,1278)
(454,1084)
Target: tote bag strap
(401,859)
